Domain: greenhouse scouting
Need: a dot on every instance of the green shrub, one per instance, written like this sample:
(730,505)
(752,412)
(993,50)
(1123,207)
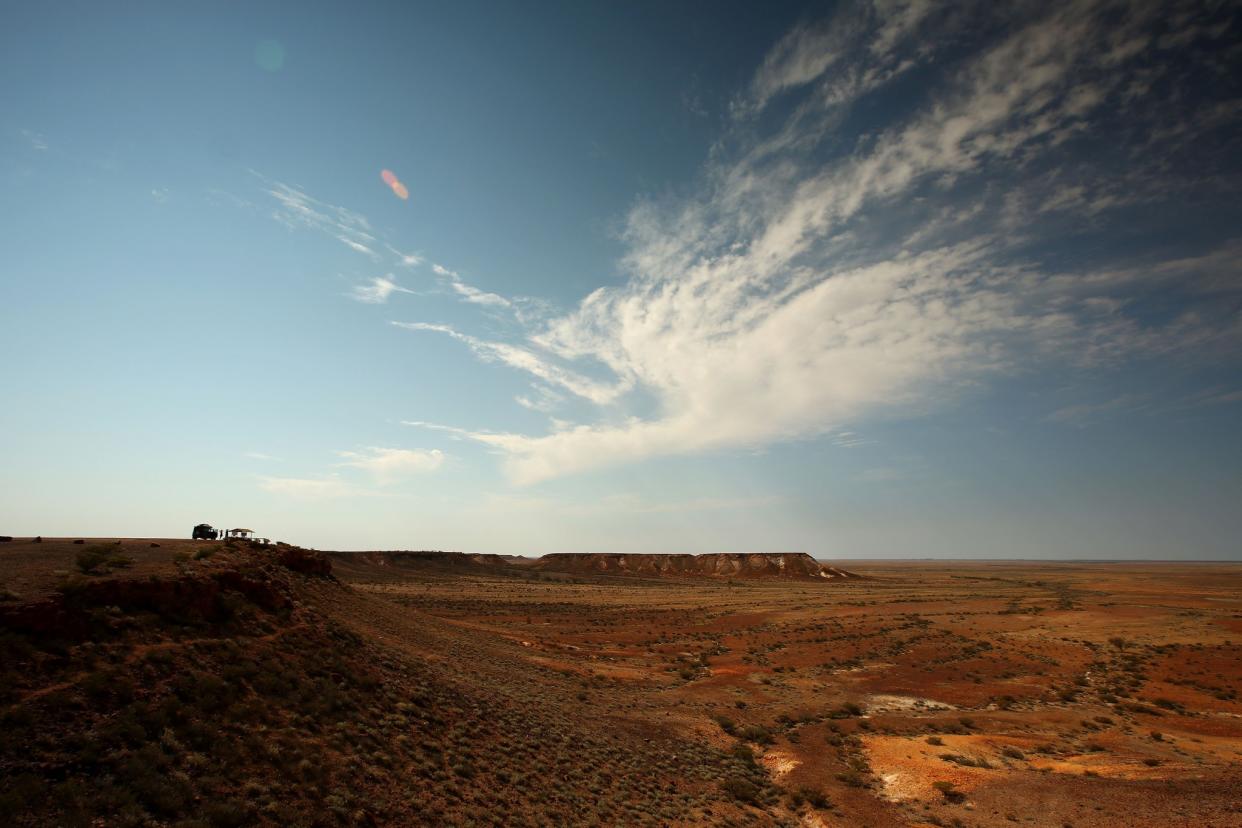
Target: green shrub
(743,790)
(93,559)
(814,797)
(758,734)
(853,777)
(743,752)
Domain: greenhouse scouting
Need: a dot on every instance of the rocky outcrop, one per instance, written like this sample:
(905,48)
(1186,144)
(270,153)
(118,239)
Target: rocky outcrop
(302,560)
(766,566)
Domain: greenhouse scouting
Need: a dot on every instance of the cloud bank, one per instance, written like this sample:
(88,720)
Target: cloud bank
(824,272)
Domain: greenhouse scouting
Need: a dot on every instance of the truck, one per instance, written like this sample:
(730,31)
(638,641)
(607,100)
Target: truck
(203,531)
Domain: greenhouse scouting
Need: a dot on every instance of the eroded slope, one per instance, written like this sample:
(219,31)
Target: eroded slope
(247,688)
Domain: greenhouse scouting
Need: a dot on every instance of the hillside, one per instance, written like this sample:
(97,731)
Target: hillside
(173,683)
(792,566)
(227,685)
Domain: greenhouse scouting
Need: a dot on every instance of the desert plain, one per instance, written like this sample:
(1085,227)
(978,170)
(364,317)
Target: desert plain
(186,683)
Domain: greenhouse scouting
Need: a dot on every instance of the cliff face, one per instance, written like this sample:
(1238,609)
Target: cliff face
(786,565)
(383,566)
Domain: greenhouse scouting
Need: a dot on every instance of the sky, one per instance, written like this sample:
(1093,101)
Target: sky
(884,278)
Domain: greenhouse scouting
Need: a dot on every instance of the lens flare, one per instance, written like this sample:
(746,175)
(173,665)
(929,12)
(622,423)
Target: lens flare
(269,55)
(390,178)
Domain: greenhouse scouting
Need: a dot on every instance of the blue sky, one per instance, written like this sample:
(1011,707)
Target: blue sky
(879,279)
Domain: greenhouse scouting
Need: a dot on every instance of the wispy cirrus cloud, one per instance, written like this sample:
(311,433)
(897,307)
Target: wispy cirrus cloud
(809,283)
(36,141)
(1082,414)
(525,359)
(385,467)
(389,465)
(311,488)
(298,209)
(883,474)
(479,297)
(625,503)
(377,290)
(405,259)
(467,292)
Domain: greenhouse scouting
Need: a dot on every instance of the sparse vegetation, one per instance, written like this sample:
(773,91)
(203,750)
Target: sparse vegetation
(94,560)
(282,696)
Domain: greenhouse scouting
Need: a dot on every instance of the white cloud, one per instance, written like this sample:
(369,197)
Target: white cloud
(800,57)
(308,488)
(405,259)
(454,432)
(743,373)
(468,292)
(899,19)
(525,359)
(543,399)
(258,455)
(1084,413)
(356,245)
(864,45)
(882,474)
(388,465)
(799,291)
(377,291)
(624,503)
(849,439)
(480,297)
(299,209)
(37,141)
(639,504)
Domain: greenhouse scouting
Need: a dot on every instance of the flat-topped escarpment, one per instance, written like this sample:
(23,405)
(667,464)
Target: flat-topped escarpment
(777,565)
(408,558)
(399,565)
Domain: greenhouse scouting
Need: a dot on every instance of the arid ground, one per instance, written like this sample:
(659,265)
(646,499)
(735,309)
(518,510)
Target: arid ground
(219,684)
